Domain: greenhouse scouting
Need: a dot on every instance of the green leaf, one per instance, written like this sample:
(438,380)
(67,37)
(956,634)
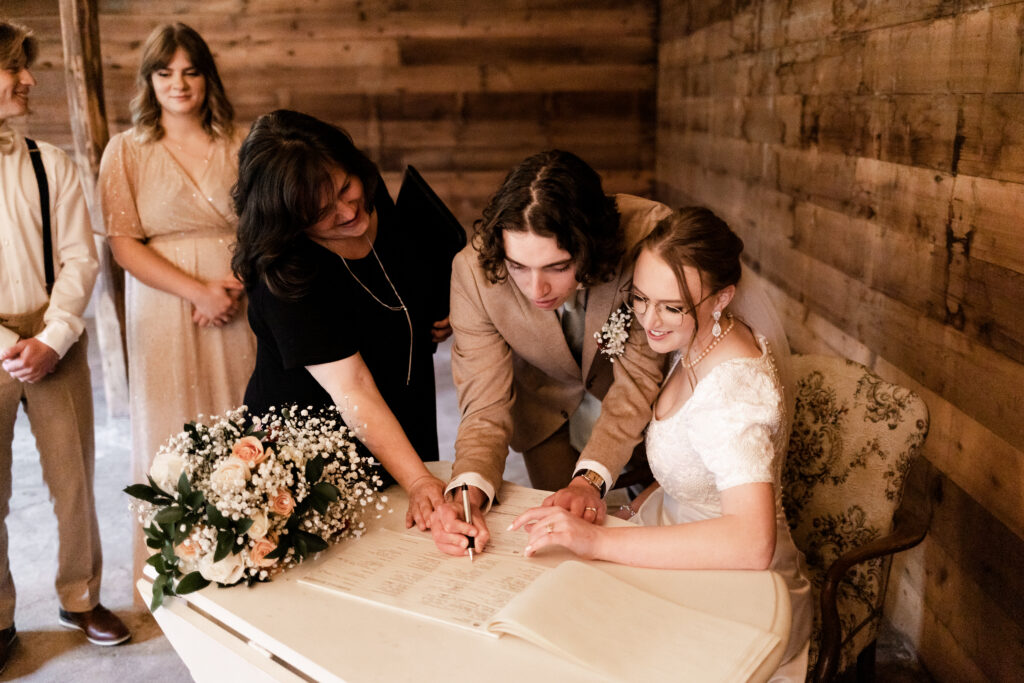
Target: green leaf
(168,553)
(184,486)
(146,493)
(326,490)
(225,541)
(158,562)
(313,543)
(191,582)
(314,468)
(154,543)
(169,515)
(282,547)
(216,519)
(154,531)
(158,592)
(320,504)
(195,500)
(243,525)
(156,487)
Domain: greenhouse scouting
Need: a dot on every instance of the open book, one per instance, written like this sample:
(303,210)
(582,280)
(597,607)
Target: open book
(581,613)
(573,610)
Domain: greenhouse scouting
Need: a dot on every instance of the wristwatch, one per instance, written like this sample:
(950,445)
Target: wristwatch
(592,478)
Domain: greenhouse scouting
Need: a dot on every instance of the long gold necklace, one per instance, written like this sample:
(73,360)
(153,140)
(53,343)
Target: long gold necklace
(713,344)
(401,304)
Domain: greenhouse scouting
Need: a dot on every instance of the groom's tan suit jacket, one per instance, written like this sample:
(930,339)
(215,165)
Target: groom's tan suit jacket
(518,382)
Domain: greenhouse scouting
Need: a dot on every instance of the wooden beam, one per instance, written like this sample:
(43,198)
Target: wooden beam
(84,78)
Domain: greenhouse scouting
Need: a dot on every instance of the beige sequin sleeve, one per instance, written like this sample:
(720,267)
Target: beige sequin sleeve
(118,174)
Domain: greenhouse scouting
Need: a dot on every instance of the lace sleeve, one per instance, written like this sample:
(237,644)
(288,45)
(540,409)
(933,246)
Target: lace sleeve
(736,414)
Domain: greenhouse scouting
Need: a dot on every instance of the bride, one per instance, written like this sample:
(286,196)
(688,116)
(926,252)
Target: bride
(720,428)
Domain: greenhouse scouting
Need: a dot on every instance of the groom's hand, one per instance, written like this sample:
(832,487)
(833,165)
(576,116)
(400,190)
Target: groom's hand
(449,529)
(581,499)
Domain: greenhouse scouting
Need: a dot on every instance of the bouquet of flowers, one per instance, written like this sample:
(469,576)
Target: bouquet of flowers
(243,498)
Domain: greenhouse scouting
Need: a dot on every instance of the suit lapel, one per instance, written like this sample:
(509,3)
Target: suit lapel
(541,332)
(601,301)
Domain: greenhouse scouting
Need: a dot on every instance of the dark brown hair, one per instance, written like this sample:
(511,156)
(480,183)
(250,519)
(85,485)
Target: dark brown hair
(284,176)
(694,236)
(217,113)
(18,47)
(553,194)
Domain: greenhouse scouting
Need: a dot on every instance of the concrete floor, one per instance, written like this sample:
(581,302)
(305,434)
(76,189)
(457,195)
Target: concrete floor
(48,652)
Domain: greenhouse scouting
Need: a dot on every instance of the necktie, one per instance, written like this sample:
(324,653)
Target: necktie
(574,312)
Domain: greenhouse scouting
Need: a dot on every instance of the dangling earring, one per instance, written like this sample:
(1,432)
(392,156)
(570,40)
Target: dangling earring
(716,330)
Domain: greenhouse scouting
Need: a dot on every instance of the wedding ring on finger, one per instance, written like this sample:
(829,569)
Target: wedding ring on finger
(550,528)
(589,508)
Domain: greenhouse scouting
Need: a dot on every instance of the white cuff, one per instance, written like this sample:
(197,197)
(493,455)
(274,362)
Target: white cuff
(600,469)
(472,479)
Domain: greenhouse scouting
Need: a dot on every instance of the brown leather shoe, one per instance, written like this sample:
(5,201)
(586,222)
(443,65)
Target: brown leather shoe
(8,638)
(101,626)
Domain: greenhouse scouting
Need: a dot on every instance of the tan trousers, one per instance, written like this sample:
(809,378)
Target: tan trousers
(59,410)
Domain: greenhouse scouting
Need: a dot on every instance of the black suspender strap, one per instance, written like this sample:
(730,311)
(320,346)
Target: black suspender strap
(44,202)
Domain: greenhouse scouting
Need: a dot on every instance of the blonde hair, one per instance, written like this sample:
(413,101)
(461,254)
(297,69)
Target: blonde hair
(217,114)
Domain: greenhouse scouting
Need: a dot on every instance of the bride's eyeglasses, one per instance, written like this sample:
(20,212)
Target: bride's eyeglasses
(670,313)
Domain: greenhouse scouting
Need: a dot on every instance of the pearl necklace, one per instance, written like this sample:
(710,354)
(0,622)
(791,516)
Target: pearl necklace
(401,304)
(713,344)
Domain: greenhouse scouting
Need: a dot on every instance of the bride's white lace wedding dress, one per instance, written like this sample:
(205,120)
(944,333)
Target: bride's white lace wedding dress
(731,431)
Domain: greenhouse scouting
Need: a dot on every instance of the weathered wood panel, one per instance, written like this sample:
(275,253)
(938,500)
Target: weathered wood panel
(460,89)
(869,155)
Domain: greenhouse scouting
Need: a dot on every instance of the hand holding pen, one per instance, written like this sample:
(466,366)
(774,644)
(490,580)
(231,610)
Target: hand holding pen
(452,534)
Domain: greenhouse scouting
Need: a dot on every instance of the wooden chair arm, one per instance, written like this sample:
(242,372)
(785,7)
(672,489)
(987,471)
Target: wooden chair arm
(907,532)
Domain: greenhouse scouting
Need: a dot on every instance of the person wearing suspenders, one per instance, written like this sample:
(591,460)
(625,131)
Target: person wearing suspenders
(48,267)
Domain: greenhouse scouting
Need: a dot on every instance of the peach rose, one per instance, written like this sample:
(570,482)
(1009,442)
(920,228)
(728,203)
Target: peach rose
(249,449)
(260,549)
(230,474)
(282,503)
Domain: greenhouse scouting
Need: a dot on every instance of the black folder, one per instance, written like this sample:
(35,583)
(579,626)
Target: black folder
(436,228)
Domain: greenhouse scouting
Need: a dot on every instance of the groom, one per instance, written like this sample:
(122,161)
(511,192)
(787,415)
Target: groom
(544,273)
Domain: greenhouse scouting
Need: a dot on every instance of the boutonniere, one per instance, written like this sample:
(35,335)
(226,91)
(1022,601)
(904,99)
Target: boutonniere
(611,339)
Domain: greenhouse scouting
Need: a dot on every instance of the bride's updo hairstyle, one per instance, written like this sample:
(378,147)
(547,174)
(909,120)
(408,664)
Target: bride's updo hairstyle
(696,237)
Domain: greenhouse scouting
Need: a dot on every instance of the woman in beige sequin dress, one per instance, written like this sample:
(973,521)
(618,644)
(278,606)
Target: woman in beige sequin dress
(165,187)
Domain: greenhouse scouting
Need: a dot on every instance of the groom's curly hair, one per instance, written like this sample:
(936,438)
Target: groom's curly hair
(553,194)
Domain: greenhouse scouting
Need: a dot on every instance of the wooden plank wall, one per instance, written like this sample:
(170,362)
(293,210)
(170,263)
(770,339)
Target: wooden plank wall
(462,90)
(871,156)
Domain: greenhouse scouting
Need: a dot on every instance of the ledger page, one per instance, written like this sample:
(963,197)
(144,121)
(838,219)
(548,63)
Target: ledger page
(408,573)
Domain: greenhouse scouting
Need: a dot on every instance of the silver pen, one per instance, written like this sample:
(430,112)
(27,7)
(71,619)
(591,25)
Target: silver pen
(469,517)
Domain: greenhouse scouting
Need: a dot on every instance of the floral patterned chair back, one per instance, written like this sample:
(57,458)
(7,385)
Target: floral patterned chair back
(854,437)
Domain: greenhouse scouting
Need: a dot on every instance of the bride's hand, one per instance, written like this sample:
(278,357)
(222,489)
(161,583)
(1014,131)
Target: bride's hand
(553,525)
(425,494)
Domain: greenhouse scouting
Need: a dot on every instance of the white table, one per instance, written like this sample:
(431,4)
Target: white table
(284,631)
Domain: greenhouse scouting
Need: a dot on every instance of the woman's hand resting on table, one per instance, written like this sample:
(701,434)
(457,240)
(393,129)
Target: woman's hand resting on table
(217,302)
(425,495)
(553,525)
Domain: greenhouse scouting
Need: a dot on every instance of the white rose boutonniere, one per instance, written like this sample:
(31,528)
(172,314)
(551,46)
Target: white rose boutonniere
(611,339)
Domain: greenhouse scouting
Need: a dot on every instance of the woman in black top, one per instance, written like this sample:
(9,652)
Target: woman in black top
(339,295)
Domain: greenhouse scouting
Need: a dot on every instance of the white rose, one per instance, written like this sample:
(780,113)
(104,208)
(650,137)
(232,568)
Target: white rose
(230,474)
(227,571)
(260,526)
(166,469)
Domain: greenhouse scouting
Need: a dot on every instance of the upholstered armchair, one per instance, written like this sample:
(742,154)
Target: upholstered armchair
(854,437)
